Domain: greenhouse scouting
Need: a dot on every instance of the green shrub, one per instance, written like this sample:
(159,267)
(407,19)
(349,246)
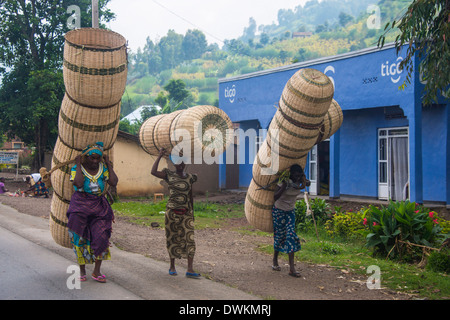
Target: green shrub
(347,225)
(330,248)
(394,228)
(439,261)
(319,207)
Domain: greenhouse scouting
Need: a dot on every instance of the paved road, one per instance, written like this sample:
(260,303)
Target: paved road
(33,266)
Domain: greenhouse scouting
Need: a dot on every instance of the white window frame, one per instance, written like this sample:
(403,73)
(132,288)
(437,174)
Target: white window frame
(384,189)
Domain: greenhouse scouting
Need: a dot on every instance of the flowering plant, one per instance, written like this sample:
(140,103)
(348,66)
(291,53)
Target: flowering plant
(393,228)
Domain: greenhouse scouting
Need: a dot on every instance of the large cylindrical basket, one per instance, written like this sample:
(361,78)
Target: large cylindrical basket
(95,66)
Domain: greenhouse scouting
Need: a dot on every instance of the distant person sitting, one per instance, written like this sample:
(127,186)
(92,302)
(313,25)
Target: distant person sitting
(37,187)
(3,190)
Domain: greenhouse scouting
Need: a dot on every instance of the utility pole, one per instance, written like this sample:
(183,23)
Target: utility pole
(94,13)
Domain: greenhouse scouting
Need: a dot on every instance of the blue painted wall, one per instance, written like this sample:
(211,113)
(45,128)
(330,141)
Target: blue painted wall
(434,152)
(358,150)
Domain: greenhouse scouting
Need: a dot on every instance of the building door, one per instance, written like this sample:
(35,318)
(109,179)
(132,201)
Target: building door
(319,168)
(313,169)
(323,170)
(393,164)
(232,170)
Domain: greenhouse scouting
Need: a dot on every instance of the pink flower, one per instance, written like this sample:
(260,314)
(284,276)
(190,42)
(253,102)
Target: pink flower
(374,223)
(435,221)
(431,214)
(365,221)
(417,211)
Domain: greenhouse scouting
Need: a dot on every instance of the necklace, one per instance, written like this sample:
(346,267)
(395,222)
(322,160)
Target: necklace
(95,177)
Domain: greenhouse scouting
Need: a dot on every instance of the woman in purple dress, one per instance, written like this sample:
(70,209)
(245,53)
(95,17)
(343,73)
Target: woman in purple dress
(90,214)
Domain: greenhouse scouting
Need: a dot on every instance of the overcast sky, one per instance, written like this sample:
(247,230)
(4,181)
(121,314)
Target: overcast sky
(218,19)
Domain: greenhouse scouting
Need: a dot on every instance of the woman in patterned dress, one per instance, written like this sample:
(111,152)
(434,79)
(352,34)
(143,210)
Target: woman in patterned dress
(90,214)
(179,218)
(283,214)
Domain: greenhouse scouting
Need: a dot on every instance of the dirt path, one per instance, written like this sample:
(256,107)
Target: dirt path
(230,257)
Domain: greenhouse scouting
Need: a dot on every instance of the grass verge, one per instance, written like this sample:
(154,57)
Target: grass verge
(350,256)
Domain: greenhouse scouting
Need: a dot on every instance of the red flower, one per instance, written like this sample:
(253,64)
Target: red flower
(374,223)
(365,221)
(417,211)
(431,214)
(435,221)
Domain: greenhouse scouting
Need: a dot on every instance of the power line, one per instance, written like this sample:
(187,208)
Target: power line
(185,20)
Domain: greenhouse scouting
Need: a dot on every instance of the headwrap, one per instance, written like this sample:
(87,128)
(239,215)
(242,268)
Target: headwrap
(175,159)
(94,148)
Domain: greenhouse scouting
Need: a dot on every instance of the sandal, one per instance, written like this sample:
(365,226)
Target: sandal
(276,268)
(173,273)
(193,275)
(100,278)
(295,274)
(83,278)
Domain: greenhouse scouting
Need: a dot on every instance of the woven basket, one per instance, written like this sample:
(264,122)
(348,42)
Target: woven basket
(209,128)
(95,66)
(291,141)
(258,207)
(58,221)
(147,135)
(60,178)
(307,97)
(261,191)
(304,102)
(163,131)
(196,123)
(264,177)
(332,122)
(79,124)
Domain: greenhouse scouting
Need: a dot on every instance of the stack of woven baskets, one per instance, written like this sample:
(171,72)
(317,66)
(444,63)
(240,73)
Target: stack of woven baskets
(207,129)
(95,74)
(307,114)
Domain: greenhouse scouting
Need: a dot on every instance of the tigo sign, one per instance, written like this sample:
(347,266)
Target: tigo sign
(230,93)
(392,70)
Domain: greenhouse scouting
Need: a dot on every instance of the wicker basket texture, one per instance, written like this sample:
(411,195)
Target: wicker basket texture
(95,66)
(203,126)
(78,125)
(95,74)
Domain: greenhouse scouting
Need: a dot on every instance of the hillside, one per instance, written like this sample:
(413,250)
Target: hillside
(335,26)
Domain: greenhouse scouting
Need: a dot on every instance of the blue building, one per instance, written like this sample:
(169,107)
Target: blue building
(390,145)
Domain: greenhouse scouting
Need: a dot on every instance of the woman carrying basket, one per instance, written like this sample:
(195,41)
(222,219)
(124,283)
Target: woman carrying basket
(283,214)
(179,218)
(90,214)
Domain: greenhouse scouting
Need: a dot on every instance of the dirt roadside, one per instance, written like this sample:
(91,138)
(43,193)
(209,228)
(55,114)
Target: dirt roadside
(232,258)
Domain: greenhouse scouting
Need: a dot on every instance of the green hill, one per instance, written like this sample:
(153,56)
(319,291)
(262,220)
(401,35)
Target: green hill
(336,27)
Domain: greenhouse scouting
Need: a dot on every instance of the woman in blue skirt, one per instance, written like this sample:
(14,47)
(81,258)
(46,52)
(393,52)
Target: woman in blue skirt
(283,214)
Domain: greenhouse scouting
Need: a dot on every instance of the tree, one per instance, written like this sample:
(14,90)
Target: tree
(29,106)
(31,47)
(177,90)
(194,44)
(249,32)
(425,29)
(264,39)
(344,19)
(35,29)
(170,47)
